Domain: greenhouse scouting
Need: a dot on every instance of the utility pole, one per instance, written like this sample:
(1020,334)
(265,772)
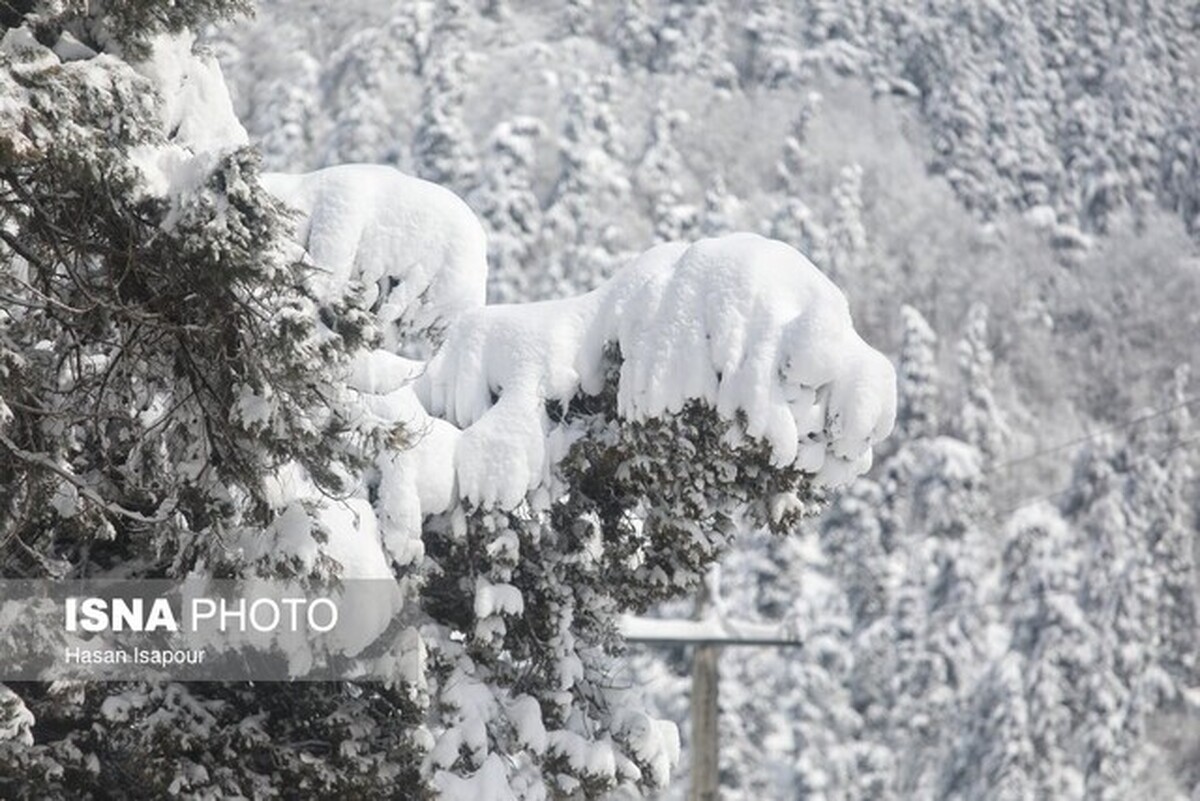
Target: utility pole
(706,753)
(706,706)
(707,637)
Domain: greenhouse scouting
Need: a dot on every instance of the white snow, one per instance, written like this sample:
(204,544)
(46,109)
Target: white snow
(654,742)
(711,628)
(15,718)
(593,757)
(416,247)
(489,783)
(197,111)
(743,323)
(497,599)
(526,715)
(415,481)
(197,115)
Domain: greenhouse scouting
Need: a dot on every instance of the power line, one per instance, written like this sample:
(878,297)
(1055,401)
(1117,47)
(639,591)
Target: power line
(1062,446)
(1046,496)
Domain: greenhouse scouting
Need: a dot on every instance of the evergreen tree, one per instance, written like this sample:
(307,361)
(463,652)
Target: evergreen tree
(794,222)
(285,116)
(578,17)
(1171,532)
(161,354)
(634,34)
(794,166)
(721,209)
(509,208)
(786,720)
(363,130)
(917,377)
(150,292)
(847,237)
(1125,683)
(579,243)
(852,536)
(415,27)
(1028,746)
(692,40)
(773,58)
(995,758)
(938,619)
(658,178)
(980,421)
(443,147)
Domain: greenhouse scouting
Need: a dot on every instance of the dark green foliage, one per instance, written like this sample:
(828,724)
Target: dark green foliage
(140,327)
(120,26)
(648,507)
(160,355)
(265,741)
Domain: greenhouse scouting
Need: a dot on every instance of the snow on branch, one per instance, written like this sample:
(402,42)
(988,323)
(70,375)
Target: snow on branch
(743,324)
(418,250)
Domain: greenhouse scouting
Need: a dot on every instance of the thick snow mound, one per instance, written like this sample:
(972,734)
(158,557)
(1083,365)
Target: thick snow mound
(196,107)
(742,323)
(416,247)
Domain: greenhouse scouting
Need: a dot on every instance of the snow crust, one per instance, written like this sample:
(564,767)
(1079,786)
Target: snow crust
(745,324)
(415,246)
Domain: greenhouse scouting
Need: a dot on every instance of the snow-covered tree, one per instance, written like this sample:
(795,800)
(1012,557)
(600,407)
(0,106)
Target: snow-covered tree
(1024,723)
(692,40)
(980,421)
(579,240)
(634,34)
(509,208)
(1171,534)
(576,568)
(286,116)
(773,57)
(141,299)
(919,660)
(578,17)
(1111,493)
(917,377)
(659,179)
(415,26)
(793,221)
(721,209)
(847,235)
(795,163)
(162,351)
(443,147)
(364,129)
(852,536)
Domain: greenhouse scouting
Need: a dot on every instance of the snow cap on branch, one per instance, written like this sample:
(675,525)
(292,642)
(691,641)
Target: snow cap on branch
(744,324)
(415,246)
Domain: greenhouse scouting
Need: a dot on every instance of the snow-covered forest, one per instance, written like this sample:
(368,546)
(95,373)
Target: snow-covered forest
(235,340)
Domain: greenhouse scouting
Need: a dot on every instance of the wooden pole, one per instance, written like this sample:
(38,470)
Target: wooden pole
(705,707)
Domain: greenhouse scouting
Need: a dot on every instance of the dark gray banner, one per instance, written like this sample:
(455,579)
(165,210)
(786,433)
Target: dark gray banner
(205,630)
